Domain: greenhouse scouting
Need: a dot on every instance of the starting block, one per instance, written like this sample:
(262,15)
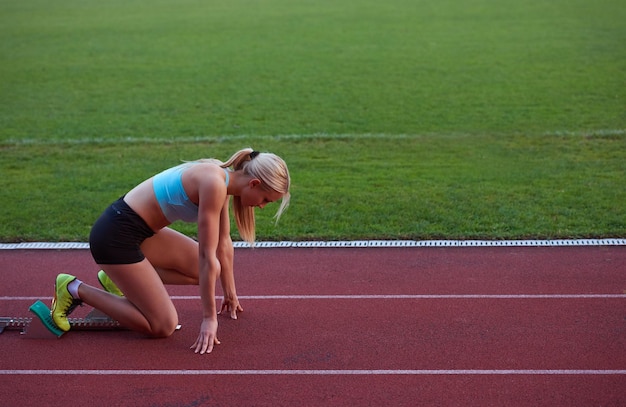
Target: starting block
(41,326)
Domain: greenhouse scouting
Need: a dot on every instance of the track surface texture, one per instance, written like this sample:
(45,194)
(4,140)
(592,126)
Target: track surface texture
(452,326)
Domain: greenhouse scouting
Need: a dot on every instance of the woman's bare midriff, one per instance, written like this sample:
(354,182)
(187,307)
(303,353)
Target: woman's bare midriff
(143,201)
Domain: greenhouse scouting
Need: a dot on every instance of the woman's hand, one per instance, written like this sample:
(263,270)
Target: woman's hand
(207,338)
(231,304)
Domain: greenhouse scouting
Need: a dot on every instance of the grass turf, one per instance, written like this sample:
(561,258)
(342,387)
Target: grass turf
(399,119)
(351,187)
(167,69)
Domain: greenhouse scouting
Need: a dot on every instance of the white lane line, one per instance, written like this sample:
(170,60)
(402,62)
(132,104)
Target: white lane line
(418,296)
(313,372)
(379,297)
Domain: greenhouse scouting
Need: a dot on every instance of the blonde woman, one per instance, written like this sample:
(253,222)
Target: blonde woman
(138,253)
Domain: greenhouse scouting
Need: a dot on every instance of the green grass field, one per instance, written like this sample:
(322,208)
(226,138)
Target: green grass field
(399,119)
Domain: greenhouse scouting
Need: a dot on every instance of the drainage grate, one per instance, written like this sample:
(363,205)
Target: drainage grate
(362,243)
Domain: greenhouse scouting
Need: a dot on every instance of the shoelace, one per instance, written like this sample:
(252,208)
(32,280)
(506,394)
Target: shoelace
(70,307)
(75,303)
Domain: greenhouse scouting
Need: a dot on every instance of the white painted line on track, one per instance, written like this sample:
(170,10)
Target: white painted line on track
(380,297)
(359,243)
(419,296)
(312,372)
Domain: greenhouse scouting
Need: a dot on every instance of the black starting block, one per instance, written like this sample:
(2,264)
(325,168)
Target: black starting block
(41,326)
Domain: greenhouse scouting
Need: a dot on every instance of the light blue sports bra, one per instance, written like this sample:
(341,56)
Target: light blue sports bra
(172,198)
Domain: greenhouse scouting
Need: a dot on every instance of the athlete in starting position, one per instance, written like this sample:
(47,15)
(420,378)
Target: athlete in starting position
(138,253)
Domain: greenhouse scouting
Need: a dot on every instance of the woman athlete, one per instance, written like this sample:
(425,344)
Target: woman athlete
(139,254)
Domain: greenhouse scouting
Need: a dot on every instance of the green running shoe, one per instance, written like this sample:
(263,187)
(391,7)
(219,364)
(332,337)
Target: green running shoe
(108,285)
(63,303)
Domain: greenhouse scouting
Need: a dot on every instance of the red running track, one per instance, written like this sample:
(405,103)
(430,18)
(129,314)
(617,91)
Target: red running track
(346,327)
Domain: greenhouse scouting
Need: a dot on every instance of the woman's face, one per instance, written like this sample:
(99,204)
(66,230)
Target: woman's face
(257,194)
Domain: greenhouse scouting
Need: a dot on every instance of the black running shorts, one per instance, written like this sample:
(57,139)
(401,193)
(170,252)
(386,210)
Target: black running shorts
(116,236)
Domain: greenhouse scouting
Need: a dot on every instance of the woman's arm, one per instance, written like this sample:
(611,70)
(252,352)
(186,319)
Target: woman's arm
(225,255)
(212,193)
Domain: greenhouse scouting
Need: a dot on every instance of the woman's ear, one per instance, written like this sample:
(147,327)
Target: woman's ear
(254,182)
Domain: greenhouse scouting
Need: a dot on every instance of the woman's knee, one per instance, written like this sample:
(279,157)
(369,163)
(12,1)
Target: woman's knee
(163,327)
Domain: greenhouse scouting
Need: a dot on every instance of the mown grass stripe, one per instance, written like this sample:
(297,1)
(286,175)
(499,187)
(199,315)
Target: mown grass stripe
(279,137)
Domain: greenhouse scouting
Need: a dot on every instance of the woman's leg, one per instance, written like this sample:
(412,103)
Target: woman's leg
(146,306)
(171,258)
(174,256)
